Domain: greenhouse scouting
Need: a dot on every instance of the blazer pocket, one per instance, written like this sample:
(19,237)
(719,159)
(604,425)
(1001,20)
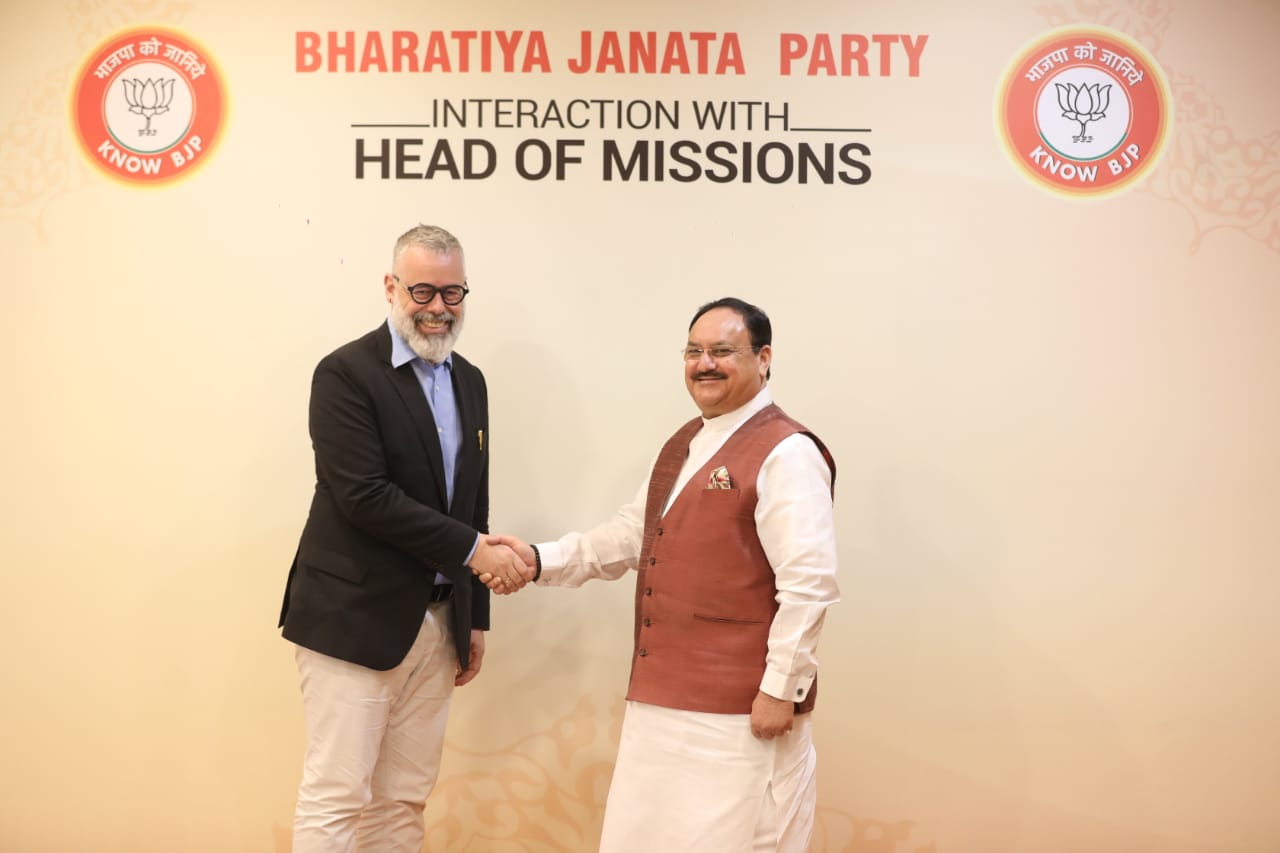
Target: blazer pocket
(331,563)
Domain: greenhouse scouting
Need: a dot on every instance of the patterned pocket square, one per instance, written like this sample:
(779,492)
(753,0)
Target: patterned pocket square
(719,479)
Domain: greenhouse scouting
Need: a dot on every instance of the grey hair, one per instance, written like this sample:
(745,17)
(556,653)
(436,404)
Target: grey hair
(433,238)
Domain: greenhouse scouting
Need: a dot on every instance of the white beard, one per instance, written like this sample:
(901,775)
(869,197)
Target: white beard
(432,348)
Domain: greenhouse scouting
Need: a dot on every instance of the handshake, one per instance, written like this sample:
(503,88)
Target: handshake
(503,563)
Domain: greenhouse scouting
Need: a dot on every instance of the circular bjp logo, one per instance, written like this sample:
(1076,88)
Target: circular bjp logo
(148,106)
(1084,111)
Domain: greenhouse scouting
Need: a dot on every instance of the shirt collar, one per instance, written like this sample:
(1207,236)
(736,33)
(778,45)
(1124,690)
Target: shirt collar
(730,421)
(402,353)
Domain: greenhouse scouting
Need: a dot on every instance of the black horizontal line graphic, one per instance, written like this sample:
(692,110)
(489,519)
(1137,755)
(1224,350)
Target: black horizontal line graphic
(791,129)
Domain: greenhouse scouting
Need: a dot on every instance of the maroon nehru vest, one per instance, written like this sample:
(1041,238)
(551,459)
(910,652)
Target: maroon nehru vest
(705,594)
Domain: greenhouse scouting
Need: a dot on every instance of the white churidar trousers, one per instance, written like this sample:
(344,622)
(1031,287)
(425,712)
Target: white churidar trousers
(686,780)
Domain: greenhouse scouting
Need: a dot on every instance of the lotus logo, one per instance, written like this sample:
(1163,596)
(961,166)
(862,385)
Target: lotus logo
(150,105)
(150,98)
(1084,111)
(1083,104)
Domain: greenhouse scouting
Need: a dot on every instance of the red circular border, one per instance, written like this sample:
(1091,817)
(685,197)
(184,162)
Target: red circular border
(1016,111)
(87,110)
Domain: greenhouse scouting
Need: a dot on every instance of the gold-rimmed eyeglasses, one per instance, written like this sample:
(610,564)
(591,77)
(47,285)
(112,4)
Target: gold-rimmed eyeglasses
(716,353)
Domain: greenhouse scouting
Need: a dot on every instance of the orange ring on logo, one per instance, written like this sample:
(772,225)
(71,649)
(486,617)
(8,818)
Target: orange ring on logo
(1084,111)
(148,106)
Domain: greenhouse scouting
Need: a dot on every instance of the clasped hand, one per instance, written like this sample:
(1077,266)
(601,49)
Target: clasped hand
(503,563)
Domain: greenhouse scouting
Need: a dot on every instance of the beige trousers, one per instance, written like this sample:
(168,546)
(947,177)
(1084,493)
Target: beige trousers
(374,741)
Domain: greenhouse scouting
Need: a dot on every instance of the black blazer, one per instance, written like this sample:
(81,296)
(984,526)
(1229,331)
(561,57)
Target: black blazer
(380,526)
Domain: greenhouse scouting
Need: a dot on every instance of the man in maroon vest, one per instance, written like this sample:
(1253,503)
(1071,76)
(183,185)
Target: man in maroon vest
(733,543)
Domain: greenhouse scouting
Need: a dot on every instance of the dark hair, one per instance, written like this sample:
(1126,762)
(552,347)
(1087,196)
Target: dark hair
(756,321)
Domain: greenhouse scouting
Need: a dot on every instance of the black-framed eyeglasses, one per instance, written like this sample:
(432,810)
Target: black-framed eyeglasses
(450,294)
(716,353)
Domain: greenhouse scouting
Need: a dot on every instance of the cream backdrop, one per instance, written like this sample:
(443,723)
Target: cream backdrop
(1056,424)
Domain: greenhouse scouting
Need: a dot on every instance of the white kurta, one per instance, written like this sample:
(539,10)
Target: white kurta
(686,780)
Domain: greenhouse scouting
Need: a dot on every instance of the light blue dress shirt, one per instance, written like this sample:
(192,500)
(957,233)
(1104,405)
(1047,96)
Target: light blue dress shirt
(436,381)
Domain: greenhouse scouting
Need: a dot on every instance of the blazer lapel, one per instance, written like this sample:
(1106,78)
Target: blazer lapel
(465,478)
(405,381)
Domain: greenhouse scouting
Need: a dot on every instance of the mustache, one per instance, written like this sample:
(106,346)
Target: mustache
(709,374)
(435,318)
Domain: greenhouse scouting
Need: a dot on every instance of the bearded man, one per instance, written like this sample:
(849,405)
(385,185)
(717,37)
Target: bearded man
(381,601)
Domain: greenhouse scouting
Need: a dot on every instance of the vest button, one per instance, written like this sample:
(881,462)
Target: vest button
(647,622)
(642,653)
(648,590)
(659,531)
(653,560)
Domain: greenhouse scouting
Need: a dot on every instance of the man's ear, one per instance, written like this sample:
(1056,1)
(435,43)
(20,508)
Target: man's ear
(766,358)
